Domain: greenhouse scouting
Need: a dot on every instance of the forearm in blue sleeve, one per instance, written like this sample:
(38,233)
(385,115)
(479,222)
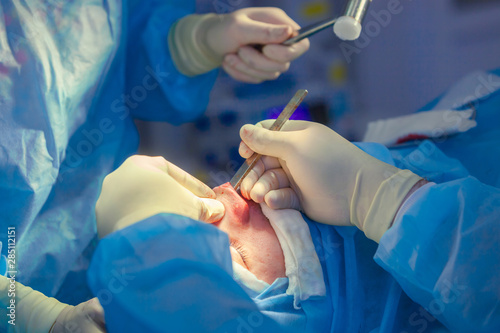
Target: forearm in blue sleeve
(444,251)
(156,90)
(171,273)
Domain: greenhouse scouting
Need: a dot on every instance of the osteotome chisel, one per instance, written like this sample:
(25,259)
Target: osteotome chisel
(277,125)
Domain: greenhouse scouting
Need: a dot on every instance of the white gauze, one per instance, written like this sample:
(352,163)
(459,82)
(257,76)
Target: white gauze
(303,269)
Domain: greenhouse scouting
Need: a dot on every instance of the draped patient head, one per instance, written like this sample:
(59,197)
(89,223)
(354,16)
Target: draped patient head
(152,185)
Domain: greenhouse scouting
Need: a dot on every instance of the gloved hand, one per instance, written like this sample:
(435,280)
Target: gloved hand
(33,312)
(87,317)
(144,186)
(334,181)
(200,43)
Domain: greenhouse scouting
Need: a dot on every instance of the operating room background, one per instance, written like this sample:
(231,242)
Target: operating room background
(409,53)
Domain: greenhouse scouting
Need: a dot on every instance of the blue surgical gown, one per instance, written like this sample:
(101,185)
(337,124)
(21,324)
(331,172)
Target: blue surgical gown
(435,270)
(73,76)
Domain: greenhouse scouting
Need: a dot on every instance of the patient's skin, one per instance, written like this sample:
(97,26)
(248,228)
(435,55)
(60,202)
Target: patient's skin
(254,243)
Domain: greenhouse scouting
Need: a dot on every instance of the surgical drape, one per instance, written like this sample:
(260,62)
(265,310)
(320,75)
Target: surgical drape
(73,75)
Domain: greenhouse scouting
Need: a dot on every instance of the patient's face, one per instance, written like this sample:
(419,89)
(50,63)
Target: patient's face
(254,244)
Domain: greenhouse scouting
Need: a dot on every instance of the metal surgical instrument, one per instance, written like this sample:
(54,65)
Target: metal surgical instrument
(346,27)
(277,125)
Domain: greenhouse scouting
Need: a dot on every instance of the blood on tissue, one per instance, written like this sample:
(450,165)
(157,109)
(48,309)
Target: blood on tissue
(411,137)
(237,207)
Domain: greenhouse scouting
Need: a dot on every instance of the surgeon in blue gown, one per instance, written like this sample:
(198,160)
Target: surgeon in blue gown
(399,253)
(73,76)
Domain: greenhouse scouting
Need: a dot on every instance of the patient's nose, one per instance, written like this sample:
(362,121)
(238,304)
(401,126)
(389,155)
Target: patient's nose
(237,208)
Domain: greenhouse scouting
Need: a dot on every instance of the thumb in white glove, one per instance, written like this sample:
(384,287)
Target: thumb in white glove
(144,186)
(334,181)
(87,317)
(200,43)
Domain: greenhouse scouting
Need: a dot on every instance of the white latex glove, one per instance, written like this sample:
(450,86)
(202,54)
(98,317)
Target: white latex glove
(200,43)
(87,317)
(144,186)
(334,181)
(37,313)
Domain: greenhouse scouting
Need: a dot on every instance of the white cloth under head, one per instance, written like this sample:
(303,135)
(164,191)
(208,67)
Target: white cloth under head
(302,266)
(303,269)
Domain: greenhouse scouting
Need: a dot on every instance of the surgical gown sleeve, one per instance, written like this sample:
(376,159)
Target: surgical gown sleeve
(155,89)
(171,273)
(444,251)
(444,246)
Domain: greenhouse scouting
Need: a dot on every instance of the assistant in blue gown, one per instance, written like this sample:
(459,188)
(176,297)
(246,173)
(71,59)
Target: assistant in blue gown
(73,76)
(436,269)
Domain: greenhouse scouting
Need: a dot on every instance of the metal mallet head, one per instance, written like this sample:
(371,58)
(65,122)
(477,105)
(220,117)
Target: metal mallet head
(348,26)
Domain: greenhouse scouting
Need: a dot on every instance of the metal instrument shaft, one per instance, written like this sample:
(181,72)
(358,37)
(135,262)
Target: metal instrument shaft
(277,125)
(310,30)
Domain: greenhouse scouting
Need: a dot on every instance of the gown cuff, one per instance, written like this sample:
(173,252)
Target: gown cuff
(187,42)
(35,312)
(386,203)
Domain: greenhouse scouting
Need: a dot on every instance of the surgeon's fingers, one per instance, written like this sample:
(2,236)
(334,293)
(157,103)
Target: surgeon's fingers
(253,176)
(255,30)
(289,126)
(210,210)
(282,199)
(271,15)
(259,136)
(270,162)
(160,164)
(264,163)
(87,317)
(285,54)
(96,313)
(240,76)
(244,150)
(255,59)
(271,180)
(265,142)
(235,63)
(194,185)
